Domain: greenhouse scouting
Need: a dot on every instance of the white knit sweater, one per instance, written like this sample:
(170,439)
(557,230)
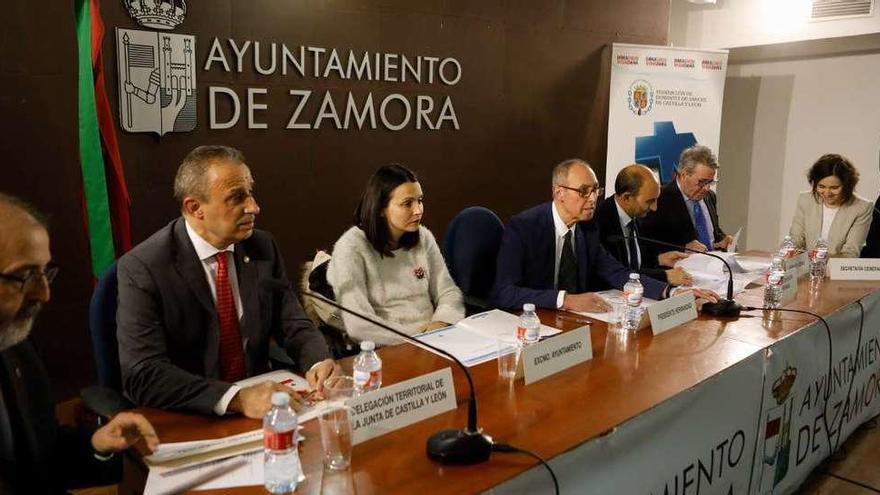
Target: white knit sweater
(405,291)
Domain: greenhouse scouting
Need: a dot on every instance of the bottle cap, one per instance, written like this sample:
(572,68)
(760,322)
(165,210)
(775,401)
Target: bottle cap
(368,345)
(280,399)
(528,307)
(633,276)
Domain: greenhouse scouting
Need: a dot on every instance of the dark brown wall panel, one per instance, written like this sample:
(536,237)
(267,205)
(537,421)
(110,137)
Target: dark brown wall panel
(533,92)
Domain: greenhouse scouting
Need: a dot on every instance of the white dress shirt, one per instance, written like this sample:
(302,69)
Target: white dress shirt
(689,205)
(561,229)
(207,255)
(625,219)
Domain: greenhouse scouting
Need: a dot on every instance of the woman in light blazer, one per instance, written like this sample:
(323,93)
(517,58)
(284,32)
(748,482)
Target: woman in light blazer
(831,210)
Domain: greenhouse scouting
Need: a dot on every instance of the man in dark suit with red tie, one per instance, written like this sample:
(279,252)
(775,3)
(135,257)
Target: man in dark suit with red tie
(201,299)
(37,455)
(687,210)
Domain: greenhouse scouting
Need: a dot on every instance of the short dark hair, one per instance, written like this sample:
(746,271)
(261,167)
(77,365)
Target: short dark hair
(368,215)
(838,166)
(628,180)
(190,178)
(24,206)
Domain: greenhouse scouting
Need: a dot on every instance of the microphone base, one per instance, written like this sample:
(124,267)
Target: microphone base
(459,447)
(724,307)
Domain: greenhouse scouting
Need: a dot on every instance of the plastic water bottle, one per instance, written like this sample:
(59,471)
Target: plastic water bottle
(633,293)
(818,260)
(281,465)
(367,369)
(529,329)
(773,288)
(787,249)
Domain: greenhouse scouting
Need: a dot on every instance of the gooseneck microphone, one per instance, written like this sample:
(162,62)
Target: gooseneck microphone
(724,307)
(452,446)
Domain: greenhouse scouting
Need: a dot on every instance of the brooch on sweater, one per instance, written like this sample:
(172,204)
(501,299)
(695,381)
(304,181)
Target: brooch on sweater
(419,272)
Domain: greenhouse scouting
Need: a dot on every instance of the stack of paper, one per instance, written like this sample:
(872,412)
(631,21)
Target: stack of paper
(607,296)
(710,273)
(475,339)
(235,460)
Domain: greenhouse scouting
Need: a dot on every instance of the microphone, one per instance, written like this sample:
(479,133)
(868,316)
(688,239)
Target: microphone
(724,307)
(453,446)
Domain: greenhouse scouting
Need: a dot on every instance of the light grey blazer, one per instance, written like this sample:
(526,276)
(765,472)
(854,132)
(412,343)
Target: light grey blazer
(848,230)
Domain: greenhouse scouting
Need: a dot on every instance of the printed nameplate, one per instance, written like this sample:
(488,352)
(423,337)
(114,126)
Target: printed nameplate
(800,263)
(402,404)
(854,268)
(672,312)
(789,286)
(556,354)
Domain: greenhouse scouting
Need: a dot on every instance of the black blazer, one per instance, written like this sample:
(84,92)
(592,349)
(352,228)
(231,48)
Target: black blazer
(168,328)
(672,222)
(609,226)
(872,243)
(47,458)
(527,258)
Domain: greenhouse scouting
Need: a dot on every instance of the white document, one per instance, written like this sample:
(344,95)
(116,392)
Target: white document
(474,340)
(731,248)
(710,273)
(243,470)
(294,381)
(607,296)
(284,377)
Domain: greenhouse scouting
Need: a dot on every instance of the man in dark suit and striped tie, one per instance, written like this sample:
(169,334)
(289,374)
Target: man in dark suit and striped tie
(687,210)
(550,254)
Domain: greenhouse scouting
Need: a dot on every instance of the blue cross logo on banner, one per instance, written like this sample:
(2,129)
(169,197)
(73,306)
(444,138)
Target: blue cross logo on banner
(661,151)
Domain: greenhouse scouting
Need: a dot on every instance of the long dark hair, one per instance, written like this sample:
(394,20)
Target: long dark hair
(368,214)
(838,166)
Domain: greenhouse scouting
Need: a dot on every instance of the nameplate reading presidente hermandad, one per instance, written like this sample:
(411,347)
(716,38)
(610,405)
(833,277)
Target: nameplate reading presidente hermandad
(556,354)
(854,268)
(402,404)
(672,312)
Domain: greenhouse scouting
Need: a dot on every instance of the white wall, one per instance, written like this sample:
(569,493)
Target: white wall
(736,23)
(779,116)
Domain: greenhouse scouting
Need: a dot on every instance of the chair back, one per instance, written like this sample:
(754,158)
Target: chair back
(470,248)
(102,327)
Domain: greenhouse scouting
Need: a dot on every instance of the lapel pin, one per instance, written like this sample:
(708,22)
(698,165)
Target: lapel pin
(246,259)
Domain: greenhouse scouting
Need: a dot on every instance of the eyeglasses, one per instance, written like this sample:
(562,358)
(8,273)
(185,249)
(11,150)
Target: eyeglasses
(33,277)
(702,183)
(585,191)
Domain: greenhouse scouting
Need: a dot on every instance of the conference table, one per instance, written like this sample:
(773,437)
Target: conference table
(628,376)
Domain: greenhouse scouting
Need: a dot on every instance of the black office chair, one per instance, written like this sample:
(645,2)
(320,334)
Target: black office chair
(105,399)
(470,248)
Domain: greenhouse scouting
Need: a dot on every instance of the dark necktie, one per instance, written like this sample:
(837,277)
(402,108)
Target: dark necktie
(568,270)
(700,223)
(232,367)
(633,247)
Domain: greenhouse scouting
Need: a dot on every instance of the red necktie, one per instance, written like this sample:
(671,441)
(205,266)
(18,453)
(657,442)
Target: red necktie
(231,354)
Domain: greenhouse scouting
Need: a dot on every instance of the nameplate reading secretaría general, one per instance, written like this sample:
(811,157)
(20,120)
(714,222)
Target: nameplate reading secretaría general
(402,404)
(556,354)
(672,312)
(854,268)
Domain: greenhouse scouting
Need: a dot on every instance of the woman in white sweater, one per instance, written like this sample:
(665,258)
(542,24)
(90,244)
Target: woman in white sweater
(389,266)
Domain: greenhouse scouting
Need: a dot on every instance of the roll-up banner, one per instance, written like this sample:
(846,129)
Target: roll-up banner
(662,101)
